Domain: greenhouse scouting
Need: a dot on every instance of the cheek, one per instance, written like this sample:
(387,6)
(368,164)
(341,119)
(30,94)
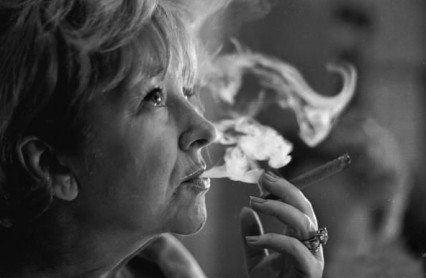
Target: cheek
(186,213)
(141,172)
(125,183)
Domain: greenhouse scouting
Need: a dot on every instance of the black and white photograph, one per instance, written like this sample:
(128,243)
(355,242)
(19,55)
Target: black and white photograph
(212,139)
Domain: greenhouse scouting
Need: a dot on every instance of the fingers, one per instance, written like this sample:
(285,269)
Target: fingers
(292,247)
(296,212)
(299,222)
(251,226)
(288,193)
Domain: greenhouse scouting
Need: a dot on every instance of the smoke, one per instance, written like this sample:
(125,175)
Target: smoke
(246,141)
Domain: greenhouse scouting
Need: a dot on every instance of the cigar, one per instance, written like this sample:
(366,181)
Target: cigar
(317,174)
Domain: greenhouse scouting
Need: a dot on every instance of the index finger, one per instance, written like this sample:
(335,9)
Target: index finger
(287,193)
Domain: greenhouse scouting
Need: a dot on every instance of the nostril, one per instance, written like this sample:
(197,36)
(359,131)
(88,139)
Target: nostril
(189,143)
(198,132)
(198,138)
(201,143)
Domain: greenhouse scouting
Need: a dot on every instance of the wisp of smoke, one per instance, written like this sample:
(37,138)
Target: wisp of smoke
(315,113)
(247,141)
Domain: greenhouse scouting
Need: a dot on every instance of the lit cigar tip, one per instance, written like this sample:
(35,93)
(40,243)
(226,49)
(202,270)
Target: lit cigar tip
(346,159)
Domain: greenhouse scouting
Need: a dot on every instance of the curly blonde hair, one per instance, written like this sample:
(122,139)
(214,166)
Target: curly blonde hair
(58,55)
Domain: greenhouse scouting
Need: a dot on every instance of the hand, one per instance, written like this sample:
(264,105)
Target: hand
(290,258)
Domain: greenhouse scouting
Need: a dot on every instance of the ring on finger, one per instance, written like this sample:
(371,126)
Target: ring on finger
(319,238)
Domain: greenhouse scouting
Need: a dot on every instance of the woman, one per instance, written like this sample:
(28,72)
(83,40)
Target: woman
(101,145)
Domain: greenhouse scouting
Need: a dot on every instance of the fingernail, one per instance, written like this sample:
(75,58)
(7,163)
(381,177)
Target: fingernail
(257,200)
(271,177)
(252,239)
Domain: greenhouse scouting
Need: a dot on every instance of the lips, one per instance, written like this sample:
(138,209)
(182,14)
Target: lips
(195,180)
(200,183)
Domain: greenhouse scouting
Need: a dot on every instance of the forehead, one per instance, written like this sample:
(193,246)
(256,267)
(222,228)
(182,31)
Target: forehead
(150,62)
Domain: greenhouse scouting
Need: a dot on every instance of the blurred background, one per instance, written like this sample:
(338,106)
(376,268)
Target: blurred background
(375,211)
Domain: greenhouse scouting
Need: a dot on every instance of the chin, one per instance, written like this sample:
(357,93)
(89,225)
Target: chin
(189,230)
(190,223)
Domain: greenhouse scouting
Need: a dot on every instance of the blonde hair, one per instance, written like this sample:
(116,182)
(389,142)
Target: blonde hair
(57,55)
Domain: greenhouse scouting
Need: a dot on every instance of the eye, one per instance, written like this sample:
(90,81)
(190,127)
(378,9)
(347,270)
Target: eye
(188,92)
(156,97)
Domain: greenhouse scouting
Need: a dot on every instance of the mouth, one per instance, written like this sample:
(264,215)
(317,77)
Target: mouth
(195,180)
(202,184)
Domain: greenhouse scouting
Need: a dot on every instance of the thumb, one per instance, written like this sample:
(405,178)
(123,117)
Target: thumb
(251,226)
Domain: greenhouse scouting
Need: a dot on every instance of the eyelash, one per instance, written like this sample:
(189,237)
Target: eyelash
(158,97)
(189,92)
(154,98)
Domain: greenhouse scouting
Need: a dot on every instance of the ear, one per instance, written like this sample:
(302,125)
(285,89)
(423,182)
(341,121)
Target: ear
(40,160)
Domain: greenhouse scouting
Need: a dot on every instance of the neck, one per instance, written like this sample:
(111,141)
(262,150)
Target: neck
(72,250)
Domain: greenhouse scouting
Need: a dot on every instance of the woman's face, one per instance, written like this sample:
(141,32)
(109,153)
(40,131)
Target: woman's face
(139,169)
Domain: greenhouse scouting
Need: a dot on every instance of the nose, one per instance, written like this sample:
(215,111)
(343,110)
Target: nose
(198,132)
